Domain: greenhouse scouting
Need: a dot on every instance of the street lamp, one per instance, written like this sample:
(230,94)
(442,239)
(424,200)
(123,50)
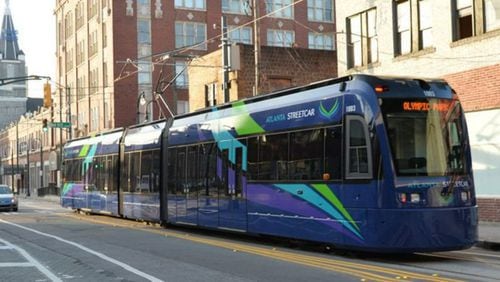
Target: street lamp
(141,101)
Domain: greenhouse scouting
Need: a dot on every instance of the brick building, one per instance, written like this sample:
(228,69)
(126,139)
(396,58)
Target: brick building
(454,40)
(280,68)
(110,53)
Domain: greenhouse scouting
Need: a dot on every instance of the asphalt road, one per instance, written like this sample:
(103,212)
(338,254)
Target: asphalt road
(43,242)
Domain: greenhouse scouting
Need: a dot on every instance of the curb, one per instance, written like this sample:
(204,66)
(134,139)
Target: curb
(495,246)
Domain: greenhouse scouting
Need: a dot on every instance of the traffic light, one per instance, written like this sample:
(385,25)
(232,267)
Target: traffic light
(45,126)
(47,95)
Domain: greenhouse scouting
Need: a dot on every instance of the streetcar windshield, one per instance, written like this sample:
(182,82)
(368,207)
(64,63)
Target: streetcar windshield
(426,136)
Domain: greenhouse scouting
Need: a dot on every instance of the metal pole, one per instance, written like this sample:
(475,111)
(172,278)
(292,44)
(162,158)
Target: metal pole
(17,154)
(60,137)
(256,45)
(68,93)
(28,147)
(41,163)
(12,162)
(225,59)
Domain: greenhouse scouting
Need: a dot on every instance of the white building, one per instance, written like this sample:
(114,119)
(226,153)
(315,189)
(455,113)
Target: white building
(457,40)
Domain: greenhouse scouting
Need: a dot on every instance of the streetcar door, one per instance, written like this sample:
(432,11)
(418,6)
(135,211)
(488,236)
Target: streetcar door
(180,186)
(191,185)
(232,198)
(208,195)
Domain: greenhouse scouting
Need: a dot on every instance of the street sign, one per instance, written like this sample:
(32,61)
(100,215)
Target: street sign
(59,124)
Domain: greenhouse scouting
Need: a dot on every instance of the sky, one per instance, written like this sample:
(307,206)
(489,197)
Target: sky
(34,21)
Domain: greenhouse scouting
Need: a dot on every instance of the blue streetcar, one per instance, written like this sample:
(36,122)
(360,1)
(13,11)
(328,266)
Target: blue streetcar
(359,162)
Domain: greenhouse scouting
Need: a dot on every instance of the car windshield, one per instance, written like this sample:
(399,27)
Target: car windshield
(426,136)
(5,190)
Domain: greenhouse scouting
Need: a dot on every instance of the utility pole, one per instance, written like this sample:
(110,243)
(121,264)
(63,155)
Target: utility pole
(256,44)
(28,148)
(68,94)
(225,58)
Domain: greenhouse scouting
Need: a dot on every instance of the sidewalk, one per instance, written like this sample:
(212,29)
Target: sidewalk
(489,235)
(489,232)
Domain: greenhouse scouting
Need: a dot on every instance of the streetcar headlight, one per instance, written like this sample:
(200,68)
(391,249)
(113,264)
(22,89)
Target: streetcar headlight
(402,197)
(465,196)
(414,197)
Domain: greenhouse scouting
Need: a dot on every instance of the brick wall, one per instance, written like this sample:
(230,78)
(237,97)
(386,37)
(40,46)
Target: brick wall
(279,68)
(489,209)
(478,88)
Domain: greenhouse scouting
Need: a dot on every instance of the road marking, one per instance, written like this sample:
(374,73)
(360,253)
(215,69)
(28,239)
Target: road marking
(83,248)
(32,261)
(363,271)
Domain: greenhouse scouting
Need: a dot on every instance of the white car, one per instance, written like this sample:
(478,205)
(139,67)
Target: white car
(8,201)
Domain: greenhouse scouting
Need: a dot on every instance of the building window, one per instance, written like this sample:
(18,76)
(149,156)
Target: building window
(144,31)
(92,43)
(210,94)
(104,36)
(412,36)
(425,23)
(94,123)
(320,10)
(182,107)
(322,41)
(190,4)
(475,17)
(92,8)
(80,15)
(105,74)
(492,14)
(372,36)
(181,72)
(362,40)
(404,27)
(189,34)
(240,34)
(465,23)
(94,81)
(144,76)
(278,10)
(236,7)
(280,38)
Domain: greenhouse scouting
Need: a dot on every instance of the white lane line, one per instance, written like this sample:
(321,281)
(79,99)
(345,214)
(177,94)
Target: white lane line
(81,247)
(33,261)
(16,264)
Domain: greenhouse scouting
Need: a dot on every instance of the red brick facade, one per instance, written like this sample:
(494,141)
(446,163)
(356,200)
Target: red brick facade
(478,89)
(124,36)
(489,209)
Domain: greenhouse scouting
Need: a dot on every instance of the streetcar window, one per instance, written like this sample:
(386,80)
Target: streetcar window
(181,171)
(425,136)
(333,152)
(172,175)
(358,149)
(135,170)
(253,158)
(192,169)
(155,171)
(273,157)
(144,186)
(306,155)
